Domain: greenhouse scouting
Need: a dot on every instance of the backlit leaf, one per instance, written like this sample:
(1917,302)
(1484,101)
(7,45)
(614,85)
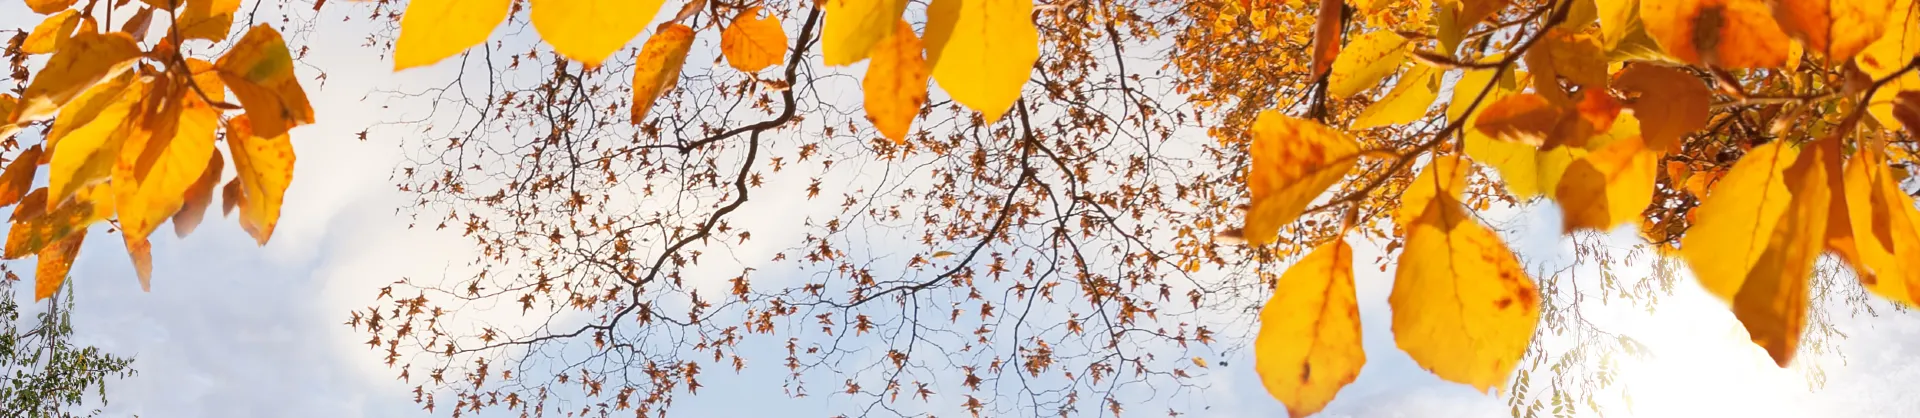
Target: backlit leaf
(259,70)
(18,178)
(658,66)
(51,32)
(1294,160)
(1607,187)
(432,30)
(160,163)
(1449,172)
(753,43)
(1836,28)
(1740,241)
(1576,56)
(1884,227)
(55,261)
(1327,29)
(1668,103)
(1722,33)
(1309,342)
(589,31)
(82,61)
(1886,56)
(1409,100)
(213,19)
(1462,306)
(1523,118)
(982,51)
(33,232)
(1772,301)
(85,141)
(854,26)
(896,83)
(264,168)
(1365,61)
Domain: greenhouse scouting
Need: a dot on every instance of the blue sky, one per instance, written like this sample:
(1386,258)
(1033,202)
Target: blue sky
(235,330)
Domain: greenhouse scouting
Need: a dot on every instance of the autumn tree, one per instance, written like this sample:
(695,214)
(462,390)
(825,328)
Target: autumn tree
(1063,218)
(1093,194)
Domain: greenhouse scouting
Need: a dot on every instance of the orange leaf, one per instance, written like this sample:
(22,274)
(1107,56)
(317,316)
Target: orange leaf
(753,43)
(1836,28)
(198,197)
(896,83)
(18,178)
(1608,187)
(82,61)
(55,261)
(1722,33)
(658,67)
(1670,104)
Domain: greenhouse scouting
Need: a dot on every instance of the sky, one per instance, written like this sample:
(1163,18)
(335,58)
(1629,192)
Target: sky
(231,329)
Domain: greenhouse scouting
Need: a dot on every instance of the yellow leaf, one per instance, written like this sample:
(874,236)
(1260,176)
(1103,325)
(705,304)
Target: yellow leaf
(1523,118)
(941,254)
(658,66)
(589,31)
(159,164)
(1517,163)
(896,83)
(1576,56)
(1470,84)
(1365,61)
(259,70)
(753,43)
(1309,343)
(51,32)
(1772,301)
(18,178)
(1409,100)
(198,197)
(210,19)
(1723,33)
(1294,160)
(1885,229)
(1608,187)
(1462,306)
(82,61)
(1670,105)
(1836,28)
(1736,219)
(85,141)
(982,51)
(1884,57)
(48,6)
(1448,173)
(33,231)
(264,168)
(1201,362)
(433,30)
(1457,17)
(55,261)
(854,26)
(7,105)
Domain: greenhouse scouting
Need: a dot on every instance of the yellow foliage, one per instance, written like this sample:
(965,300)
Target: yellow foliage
(659,66)
(753,43)
(264,167)
(589,31)
(1365,61)
(1309,342)
(1294,161)
(433,30)
(1723,33)
(982,51)
(854,26)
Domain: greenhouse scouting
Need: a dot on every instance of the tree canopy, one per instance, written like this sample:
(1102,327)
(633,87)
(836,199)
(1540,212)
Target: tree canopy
(1020,207)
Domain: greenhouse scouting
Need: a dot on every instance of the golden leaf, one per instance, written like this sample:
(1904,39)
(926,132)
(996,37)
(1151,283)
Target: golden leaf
(1294,160)
(854,26)
(159,164)
(51,32)
(1462,306)
(264,168)
(1607,187)
(18,178)
(1721,33)
(1309,342)
(82,61)
(1365,61)
(1883,224)
(982,51)
(49,6)
(896,83)
(1407,102)
(1668,103)
(34,231)
(753,43)
(85,142)
(213,19)
(199,196)
(589,31)
(432,30)
(55,261)
(259,70)
(1524,118)
(658,66)
(1836,28)
(1737,218)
